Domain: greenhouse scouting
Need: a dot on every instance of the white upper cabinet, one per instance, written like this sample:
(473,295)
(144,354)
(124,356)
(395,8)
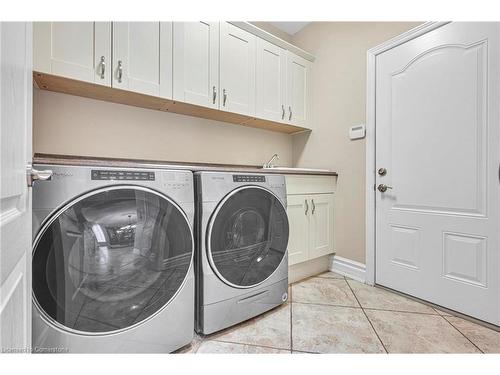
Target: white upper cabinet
(196,63)
(298,90)
(237,69)
(137,63)
(271,81)
(78,50)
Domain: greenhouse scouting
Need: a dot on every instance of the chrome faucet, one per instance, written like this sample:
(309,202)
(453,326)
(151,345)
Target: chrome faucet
(269,164)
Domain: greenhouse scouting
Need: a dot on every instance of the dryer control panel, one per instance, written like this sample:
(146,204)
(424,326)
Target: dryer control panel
(248,178)
(102,174)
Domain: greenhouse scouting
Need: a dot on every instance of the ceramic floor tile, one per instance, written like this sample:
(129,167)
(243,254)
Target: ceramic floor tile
(324,291)
(271,329)
(217,347)
(377,298)
(418,333)
(330,275)
(484,338)
(332,329)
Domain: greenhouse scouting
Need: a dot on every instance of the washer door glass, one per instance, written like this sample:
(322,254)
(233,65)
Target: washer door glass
(248,237)
(111,259)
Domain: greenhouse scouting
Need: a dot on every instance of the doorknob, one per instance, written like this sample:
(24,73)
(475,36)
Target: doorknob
(33,175)
(383,188)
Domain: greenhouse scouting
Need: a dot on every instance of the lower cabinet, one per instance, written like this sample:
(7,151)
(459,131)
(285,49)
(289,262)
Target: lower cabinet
(311,219)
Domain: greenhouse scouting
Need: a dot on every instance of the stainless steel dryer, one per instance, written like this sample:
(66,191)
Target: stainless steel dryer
(112,267)
(241,257)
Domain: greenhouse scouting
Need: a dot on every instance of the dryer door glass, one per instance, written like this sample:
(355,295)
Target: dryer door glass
(111,259)
(248,237)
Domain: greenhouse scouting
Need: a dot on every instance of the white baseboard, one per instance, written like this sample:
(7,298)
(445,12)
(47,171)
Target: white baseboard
(349,268)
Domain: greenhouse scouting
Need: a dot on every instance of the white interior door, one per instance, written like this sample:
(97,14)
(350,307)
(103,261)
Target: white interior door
(196,63)
(271,81)
(15,197)
(136,57)
(78,50)
(298,89)
(237,69)
(438,136)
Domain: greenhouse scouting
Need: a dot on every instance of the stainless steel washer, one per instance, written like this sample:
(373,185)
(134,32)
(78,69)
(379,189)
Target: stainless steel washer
(112,267)
(242,237)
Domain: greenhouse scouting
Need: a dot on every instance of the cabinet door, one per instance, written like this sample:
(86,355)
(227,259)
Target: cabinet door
(298,90)
(298,218)
(77,50)
(321,229)
(271,81)
(196,63)
(136,57)
(237,70)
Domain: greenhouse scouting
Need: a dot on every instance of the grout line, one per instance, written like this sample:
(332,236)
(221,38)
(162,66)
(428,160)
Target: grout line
(254,345)
(326,304)
(369,321)
(402,311)
(291,320)
(305,352)
(463,334)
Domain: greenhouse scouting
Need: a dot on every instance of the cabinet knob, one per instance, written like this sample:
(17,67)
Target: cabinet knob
(307,207)
(282,111)
(214,94)
(224,97)
(313,206)
(290,113)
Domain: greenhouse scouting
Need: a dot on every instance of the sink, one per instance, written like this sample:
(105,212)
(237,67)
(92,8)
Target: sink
(290,169)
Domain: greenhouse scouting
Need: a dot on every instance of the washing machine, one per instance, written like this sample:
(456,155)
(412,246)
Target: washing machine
(241,247)
(112,268)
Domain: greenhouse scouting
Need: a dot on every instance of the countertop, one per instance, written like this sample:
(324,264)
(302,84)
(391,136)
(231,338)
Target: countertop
(162,164)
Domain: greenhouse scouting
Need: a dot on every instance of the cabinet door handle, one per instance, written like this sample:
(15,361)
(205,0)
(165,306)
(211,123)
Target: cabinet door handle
(120,71)
(214,94)
(290,113)
(282,111)
(307,207)
(103,67)
(224,97)
(313,206)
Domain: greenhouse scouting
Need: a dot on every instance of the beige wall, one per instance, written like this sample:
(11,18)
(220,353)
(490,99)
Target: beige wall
(71,125)
(338,85)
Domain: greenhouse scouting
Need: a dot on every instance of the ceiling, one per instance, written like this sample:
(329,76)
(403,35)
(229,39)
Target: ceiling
(290,27)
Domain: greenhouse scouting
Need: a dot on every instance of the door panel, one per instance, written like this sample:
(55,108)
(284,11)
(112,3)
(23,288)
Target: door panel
(136,57)
(298,87)
(237,70)
(321,241)
(15,196)
(247,237)
(110,259)
(298,217)
(271,81)
(78,50)
(438,135)
(196,63)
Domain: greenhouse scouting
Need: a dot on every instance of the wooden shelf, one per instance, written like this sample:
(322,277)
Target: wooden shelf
(89,90)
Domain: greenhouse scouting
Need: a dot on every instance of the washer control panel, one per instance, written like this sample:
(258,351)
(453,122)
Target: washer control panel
(248,178)
(102,174)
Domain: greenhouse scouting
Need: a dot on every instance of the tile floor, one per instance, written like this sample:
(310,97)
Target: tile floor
(333,314)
